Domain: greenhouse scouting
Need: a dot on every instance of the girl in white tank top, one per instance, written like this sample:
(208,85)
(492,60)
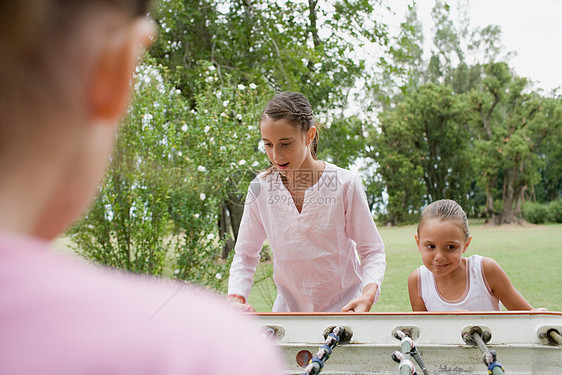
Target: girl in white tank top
(477,295)
(449,282)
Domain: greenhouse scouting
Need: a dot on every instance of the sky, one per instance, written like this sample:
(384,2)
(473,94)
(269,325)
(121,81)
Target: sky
(530,28)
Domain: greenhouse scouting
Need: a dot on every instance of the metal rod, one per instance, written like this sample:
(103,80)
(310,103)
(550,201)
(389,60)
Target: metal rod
(496,368)
(556,337)
(481,345)
(418,358)
(317,363)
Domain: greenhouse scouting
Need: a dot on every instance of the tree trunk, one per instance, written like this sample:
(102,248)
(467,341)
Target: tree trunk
(490,183)
(225,232)
(313,17)
(231,216)
(520,199)
(236,209)
(510,196)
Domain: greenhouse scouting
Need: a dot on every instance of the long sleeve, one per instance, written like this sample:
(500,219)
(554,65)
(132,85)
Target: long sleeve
(247,250)
(361,228)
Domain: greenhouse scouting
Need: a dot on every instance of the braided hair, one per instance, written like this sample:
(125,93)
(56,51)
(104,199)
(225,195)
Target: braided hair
(294,108)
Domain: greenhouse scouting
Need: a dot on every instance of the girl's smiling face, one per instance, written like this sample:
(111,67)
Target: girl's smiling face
(441,244)
(287,147)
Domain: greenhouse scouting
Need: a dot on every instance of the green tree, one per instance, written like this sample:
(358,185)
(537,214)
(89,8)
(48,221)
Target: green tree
(550,153)
(510,125)
(402,67)
(448,50)
(512,129)
(423,151)
(300,46)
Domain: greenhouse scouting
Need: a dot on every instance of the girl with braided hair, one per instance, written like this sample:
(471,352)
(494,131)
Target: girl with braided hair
(327,252)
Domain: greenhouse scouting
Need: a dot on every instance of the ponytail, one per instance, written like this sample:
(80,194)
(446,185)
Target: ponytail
(293,108)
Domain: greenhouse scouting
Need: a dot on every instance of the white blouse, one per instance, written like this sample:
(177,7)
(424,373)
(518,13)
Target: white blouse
(315,252)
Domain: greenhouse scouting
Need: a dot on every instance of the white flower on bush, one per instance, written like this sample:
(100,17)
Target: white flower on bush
(218,276)
(201,168)
(225,103)
(239,116)
(218,94)
(241,87)
(146,118)
(251,127)
(212,68)
(184,127)
(207,128)
(180,153)
(177,271)
(209,79)
(223,114)
(196,216)
(253,86)
(242,162)
(210,236)
(212,140)
(255,164)
(202,196)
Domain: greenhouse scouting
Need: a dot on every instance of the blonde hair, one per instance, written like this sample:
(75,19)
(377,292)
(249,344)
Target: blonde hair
(445,210)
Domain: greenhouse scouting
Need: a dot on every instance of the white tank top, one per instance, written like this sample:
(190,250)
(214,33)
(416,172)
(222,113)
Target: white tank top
(477,295)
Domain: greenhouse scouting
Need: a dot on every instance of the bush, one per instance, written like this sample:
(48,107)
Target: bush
(176,162)
(555,208)
(536,213)
(127,225)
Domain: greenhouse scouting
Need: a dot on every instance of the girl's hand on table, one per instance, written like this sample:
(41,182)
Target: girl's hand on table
(239,303)
(362,303)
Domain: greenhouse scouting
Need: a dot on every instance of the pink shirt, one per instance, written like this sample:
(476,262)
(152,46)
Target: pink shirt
(61,316)
(315,252)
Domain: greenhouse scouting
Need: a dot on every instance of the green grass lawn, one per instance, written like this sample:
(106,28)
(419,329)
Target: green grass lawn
(531,255)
